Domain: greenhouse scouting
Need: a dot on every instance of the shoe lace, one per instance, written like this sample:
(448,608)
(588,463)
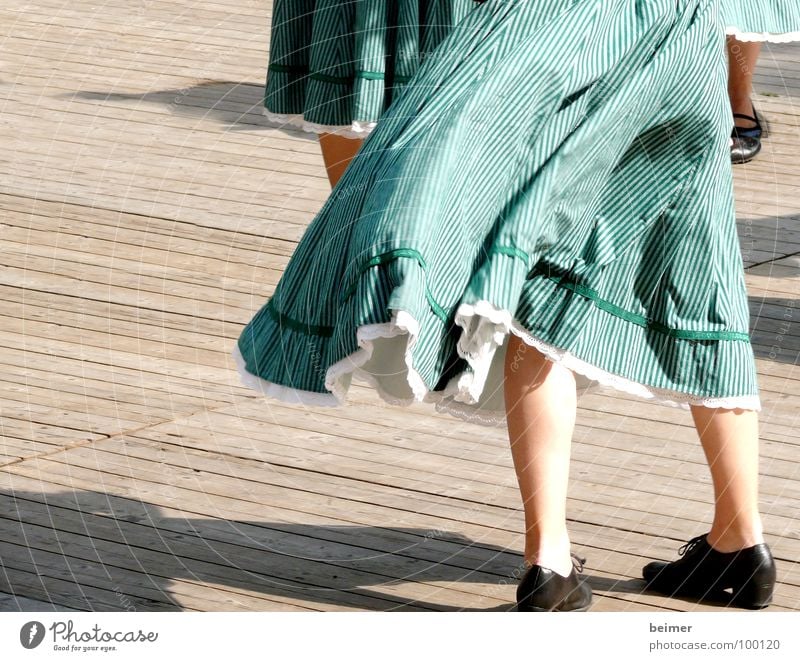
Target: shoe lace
(578,563)
(686,548)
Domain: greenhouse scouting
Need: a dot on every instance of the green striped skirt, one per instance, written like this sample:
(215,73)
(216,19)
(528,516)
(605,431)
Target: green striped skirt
(762,20)
(335,65)
(560,171)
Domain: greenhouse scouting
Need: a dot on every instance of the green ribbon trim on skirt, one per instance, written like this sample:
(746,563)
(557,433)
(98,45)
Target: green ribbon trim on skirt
(390,256)
(439,311)
(336,80)
(297,326)
(644,322)
(509,251)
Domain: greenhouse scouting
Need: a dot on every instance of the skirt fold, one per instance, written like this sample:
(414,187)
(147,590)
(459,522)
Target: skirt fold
(335,65)
(594,220)
(762,20)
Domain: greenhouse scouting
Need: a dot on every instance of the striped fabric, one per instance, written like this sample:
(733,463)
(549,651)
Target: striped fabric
(559,170)
(762,20)
(339,63)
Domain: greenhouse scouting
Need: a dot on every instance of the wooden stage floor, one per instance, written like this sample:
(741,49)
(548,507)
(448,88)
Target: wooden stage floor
(147,211)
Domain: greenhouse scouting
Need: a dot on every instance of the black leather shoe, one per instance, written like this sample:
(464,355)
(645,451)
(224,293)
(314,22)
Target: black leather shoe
(702,572)
(746,142)
(542,590)
(744,148)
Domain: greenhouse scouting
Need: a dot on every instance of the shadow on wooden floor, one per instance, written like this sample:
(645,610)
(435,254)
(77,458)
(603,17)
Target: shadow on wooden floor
(96,551)
(234,104)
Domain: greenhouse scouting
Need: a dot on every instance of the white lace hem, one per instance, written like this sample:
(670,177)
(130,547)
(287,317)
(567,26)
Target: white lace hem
(771,37)
(357,130)
(485,331)
(281,393)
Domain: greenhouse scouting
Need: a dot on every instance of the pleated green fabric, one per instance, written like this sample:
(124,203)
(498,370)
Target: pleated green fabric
(340,63)
(558,170)
(762,20)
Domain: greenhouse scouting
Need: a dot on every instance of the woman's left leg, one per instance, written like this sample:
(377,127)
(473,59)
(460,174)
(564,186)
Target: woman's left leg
(732,556)
(742,59)
(730,443)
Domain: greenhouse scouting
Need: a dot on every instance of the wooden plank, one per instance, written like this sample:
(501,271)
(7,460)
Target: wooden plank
(83,219)
(144,244)
(64,592)
(151,295)
(622,458)
(148,122)
(88,562)
(76,475)
(54,306)
(215,353)
(460,503)
(194,184)
(161,400)
(595,490)
(114,376)
(607,412)
(10,603)
(43,346)
(239,298)
(241,569)
(368,535)
(186,32)
(289,152)
(110,404)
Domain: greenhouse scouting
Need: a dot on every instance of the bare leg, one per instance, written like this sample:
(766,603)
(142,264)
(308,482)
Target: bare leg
(730,443)
(337,152)
(541,407)
(742,60)
(541,403)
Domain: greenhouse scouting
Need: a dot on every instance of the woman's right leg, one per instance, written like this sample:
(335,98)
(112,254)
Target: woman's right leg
(541,403)
(337,152)
(730,443)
